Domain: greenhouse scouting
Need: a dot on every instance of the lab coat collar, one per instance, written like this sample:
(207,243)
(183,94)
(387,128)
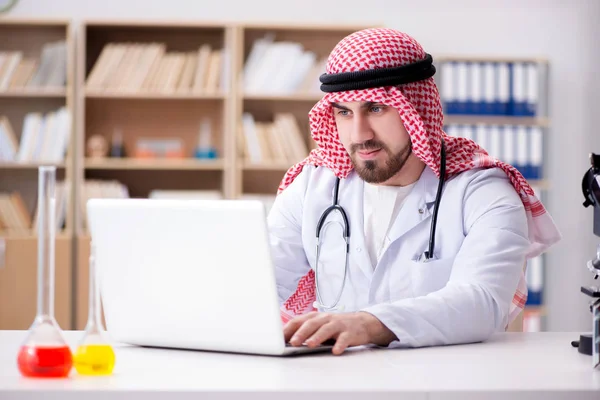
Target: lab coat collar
(415,209)
(428,185)
(417,206)
(353,194)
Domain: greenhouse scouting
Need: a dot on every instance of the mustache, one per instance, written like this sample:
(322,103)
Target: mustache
(370,144)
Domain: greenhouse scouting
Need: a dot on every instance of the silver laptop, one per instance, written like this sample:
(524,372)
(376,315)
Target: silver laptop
(189,274)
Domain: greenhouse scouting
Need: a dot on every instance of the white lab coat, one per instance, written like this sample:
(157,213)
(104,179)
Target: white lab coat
(462,296)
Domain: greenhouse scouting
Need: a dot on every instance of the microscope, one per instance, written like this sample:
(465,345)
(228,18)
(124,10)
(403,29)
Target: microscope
(590,343)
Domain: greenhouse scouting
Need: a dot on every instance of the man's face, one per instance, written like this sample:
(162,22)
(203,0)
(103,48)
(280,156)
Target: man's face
(375,138)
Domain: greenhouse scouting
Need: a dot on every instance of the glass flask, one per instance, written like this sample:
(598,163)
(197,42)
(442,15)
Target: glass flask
(94,354)
(45,352)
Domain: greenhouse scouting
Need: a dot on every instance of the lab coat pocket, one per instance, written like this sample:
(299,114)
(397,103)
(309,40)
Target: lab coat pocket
(431,276)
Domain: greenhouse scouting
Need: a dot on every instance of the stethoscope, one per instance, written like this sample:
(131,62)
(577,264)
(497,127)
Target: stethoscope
(426,256)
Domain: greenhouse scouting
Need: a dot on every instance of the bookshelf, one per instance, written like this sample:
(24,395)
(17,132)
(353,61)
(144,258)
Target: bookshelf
(502,104)
(36,124)
(154,114)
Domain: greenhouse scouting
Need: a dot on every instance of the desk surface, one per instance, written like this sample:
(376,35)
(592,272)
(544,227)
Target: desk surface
(511,366)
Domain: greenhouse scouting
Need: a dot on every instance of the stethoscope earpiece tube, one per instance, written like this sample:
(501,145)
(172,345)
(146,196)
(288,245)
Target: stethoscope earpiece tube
(438,198)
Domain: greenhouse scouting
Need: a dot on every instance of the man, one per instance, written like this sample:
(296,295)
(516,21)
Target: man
(393,233)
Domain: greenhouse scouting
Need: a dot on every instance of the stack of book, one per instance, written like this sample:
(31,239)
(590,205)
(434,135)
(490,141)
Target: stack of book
(45,138)
(149,68)
(277,142)
(281,67)
(15,218)
(19,72)
(93,189)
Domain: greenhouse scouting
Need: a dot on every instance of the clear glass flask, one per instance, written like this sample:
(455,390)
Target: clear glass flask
(94,354)
(45,352)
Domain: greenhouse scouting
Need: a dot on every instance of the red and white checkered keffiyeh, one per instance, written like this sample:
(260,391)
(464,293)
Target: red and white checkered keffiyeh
(420,108)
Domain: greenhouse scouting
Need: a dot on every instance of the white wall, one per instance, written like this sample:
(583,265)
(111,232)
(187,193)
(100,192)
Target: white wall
(566,32)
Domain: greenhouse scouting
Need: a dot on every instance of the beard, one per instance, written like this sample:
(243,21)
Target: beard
(370,171)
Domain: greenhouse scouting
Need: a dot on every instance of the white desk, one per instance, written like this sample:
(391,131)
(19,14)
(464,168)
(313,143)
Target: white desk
(511,366)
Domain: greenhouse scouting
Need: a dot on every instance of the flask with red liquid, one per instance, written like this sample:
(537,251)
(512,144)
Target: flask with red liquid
(45,353)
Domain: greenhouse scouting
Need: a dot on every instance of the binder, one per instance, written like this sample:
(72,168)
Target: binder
(466,131)
(518,101)
(508,146)
(535,281)
(536,143)
(481,136)
(522,152)
(503,82)
(475,81)
(452,130)
(532,93)
(490,90)
(495,142)
(462,88)
(448,87)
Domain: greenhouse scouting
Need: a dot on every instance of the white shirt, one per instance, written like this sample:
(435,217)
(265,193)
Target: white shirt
(381,205)
(462,295)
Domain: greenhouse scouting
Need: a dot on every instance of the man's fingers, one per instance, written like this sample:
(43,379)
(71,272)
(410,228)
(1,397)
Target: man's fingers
(307,328)
(292,326)
(342,342)
(327,331)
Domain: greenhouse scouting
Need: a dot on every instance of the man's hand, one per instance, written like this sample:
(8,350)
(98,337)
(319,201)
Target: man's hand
(349,329)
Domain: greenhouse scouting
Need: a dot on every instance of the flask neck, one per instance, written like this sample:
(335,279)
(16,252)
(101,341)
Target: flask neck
(94,294)
(46,229)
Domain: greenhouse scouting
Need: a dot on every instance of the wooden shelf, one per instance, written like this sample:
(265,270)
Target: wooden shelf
(34,93)
(153,164)
(31,235)
(308,97)
(29,165)
(34,23)
(152,96)
(453,119)
(535,309)
(154,25)
(266,167)
(315,28)
(490,58)
(540,183)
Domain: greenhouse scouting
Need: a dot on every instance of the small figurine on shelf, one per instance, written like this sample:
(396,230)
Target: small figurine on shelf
(205,149)
(97,146)
(117,149)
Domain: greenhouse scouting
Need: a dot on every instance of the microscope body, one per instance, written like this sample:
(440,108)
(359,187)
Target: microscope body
(590,343)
